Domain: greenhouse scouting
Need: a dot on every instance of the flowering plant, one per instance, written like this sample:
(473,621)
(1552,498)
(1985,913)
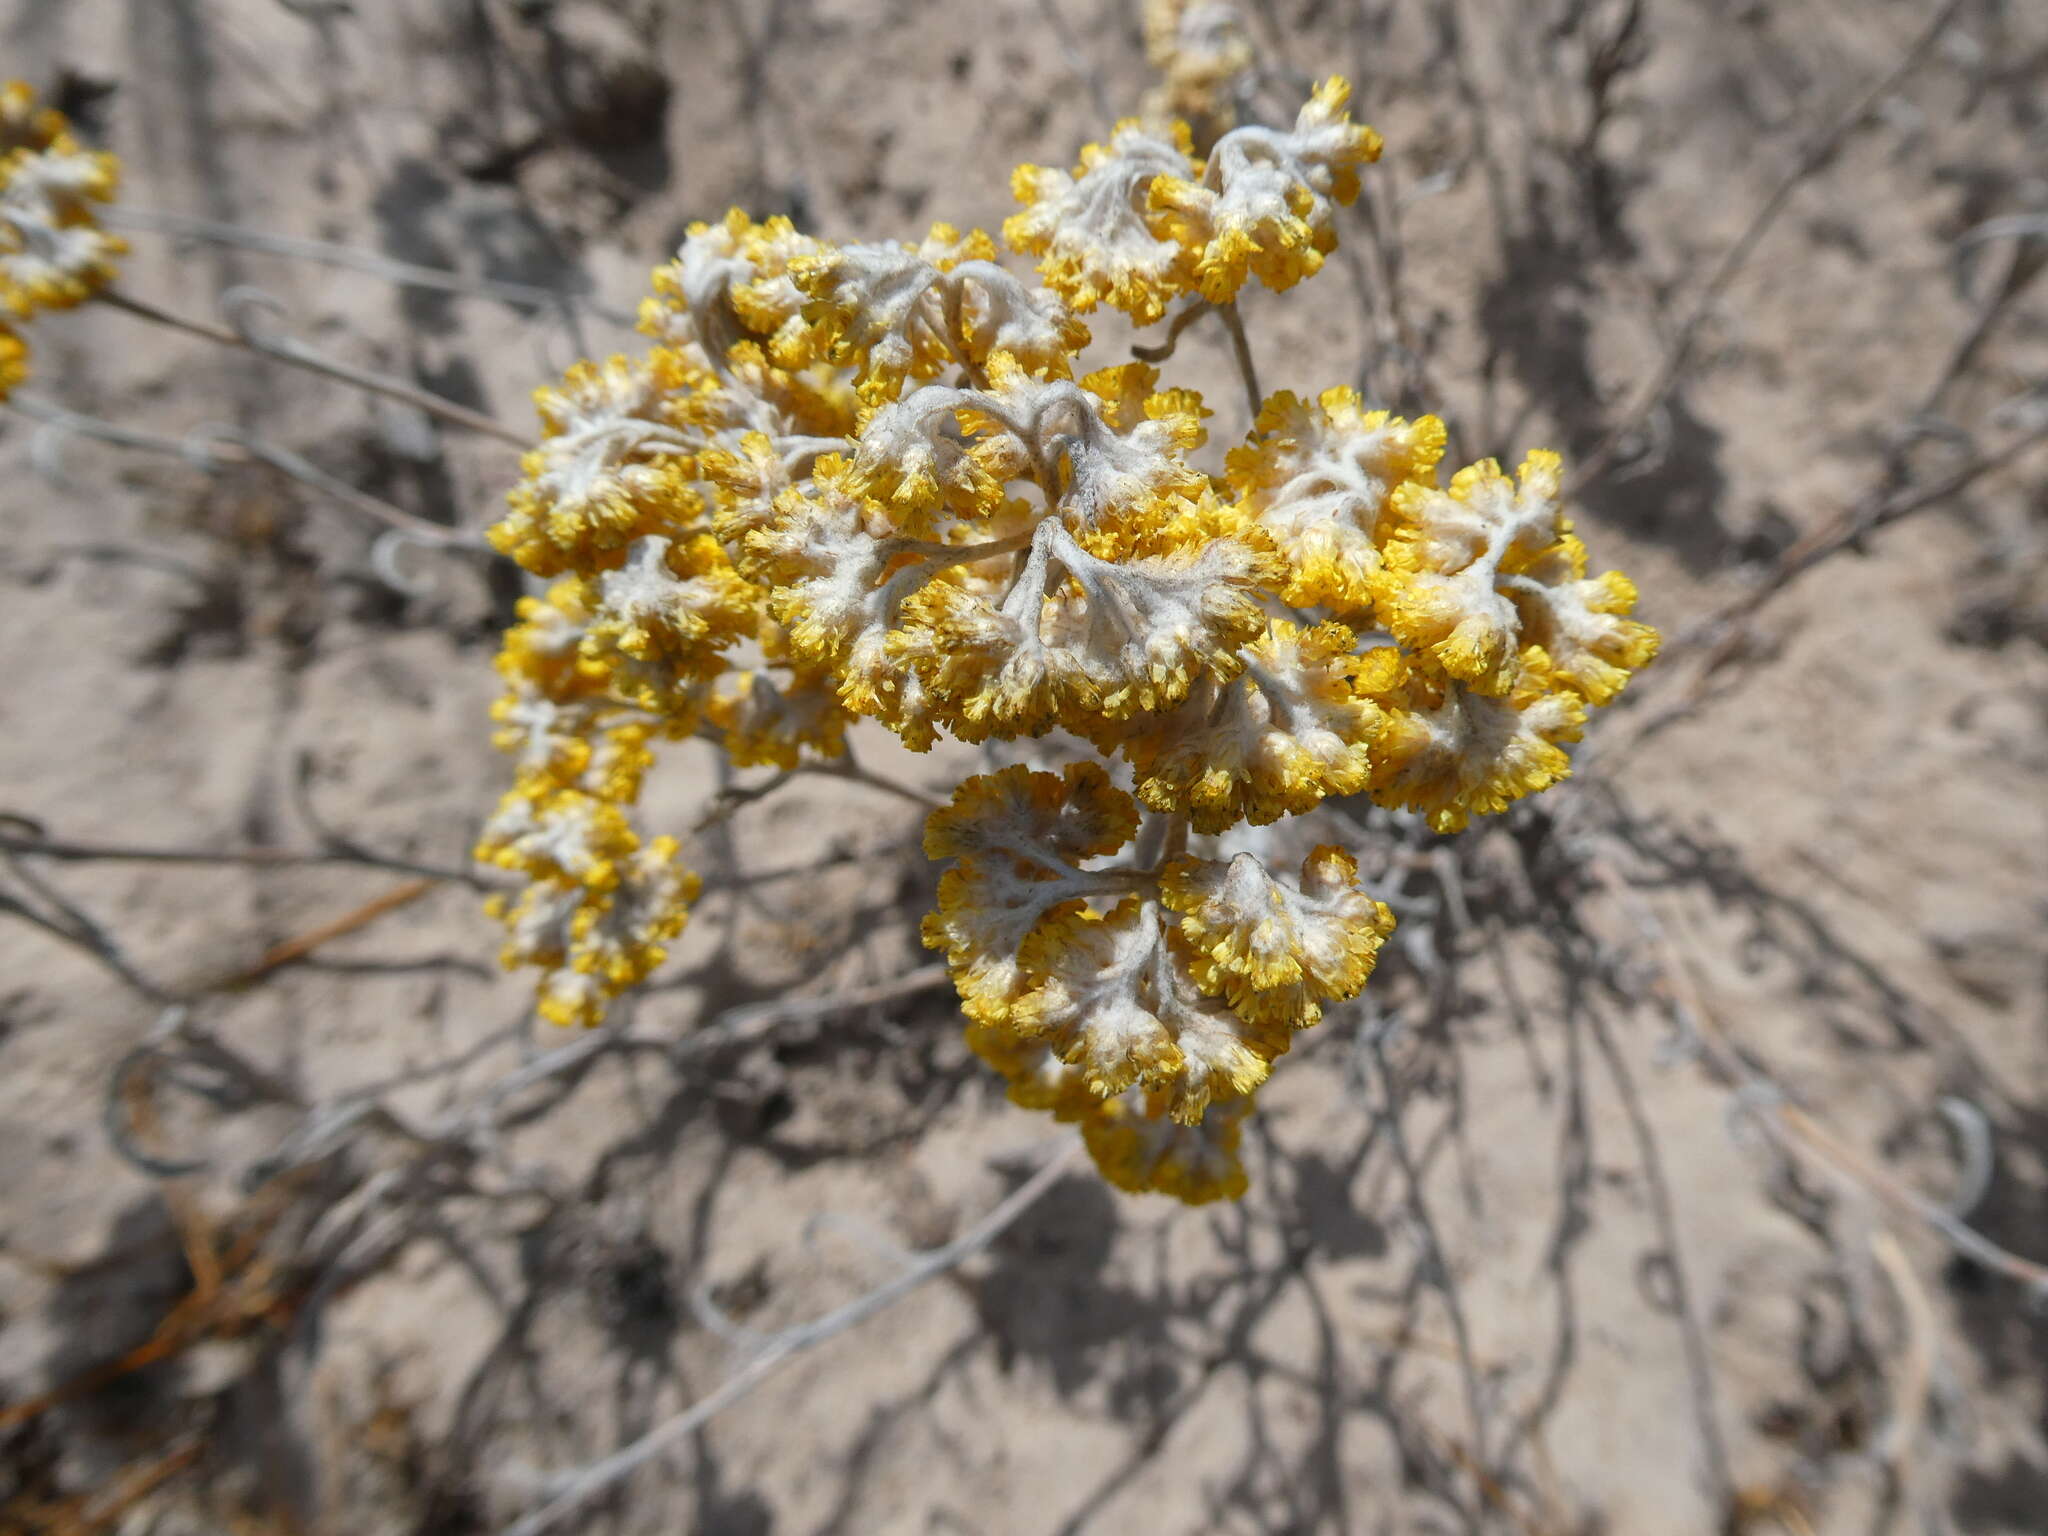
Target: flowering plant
(53,253)
(863,480)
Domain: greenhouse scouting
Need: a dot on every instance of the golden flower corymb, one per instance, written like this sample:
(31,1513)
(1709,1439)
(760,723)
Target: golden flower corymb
(899,482)
(53,253)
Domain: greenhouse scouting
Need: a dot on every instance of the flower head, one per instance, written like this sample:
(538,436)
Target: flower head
(1020,838)
(1264,203)
(1079,640)
(731,282)
(592,946)
(548,832)
(895,313)
(1582,623)
(1276,950)
(1115,996)
(1317,479)
(1201,48)
(1142,1149)
(1452,753)
(23,124)
(13,360)
(660,622)
(864,480)
(1093,229)
(53,254)
(613,465)
(765,718)
(1132,1136)
(1291,729)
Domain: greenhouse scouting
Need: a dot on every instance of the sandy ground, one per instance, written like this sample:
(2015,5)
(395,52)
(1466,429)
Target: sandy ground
(1662,1326)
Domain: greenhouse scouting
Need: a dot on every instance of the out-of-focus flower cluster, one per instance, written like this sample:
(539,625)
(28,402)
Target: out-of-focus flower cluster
(1204,59)
(53,253)
(875,480)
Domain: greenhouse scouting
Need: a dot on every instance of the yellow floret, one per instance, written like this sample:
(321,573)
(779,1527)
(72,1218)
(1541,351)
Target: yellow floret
(1263,205)
(1277,951)
(53,254)
(1292,729)
(1317,480)
(1093,230)
(613,465)
(1141,1149)
(1452,754)
(13,361)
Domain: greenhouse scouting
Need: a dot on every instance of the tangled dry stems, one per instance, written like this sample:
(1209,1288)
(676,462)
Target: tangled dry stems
(237,1284)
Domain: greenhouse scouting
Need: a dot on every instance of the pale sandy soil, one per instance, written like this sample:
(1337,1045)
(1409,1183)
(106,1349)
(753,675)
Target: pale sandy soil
(1667,1330)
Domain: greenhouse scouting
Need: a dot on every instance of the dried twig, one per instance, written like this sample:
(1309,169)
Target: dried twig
(259,858)
(184,226)
(1793,1130)
(210,450)
(240,303)
(581,1487)
(304,944)
(1720,636)
(1678,354)
(1439,1263)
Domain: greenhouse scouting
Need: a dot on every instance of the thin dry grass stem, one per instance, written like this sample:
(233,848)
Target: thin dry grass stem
(1439,1264)
(241,303)
(1678,354)
(729,800)
(80,930)
(734,797)
(1759,1510)
(846,766)
(184,226)
(576,1490)
(1793,1131)
(1699,1364)
(51,910)
(90,1514)
(211,449)
(1695,658)
(212,1071)
(1495,1494)
(235,1288)
(68,852)
(1866,517)
(304,944)
(2026,260)
(749,1021)
(1897,1444)
(306,472)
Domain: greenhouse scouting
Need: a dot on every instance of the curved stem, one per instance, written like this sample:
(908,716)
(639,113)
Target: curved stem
(1241,350)
(184,226)
(847,768)
(1180,322)
(123,853)
(581,1487)
(209,452)
(304,357)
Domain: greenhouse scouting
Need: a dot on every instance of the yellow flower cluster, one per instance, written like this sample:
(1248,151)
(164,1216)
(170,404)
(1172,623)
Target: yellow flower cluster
(1145,1001)
(876,480)
(1203,57)
(53,254)
(1139,222)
